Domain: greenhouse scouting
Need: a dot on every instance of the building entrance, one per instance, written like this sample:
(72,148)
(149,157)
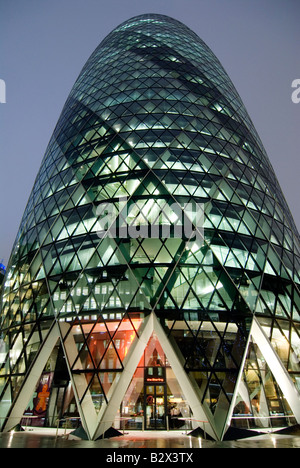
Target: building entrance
(154,400)
(155,411)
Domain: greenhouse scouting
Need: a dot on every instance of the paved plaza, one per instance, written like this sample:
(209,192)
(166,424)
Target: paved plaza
(160,440)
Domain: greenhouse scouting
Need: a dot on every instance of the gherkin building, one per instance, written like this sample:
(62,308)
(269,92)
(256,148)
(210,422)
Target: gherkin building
(171,319)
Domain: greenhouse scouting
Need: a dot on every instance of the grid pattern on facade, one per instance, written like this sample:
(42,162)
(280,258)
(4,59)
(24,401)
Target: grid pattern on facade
(154,119)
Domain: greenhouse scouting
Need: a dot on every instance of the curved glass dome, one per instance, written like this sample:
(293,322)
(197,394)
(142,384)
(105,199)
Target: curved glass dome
(155,142)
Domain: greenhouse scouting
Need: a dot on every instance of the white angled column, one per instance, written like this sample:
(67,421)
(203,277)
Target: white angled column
(31,379)
(280,373)
(119,387)
(130,364)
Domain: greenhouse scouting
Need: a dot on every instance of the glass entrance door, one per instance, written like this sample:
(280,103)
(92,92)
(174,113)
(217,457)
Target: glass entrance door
(155,413)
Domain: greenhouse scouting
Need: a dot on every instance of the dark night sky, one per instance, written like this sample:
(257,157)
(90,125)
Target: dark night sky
(44,45)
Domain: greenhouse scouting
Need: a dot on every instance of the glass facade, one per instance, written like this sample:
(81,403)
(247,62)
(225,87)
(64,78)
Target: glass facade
(153,122)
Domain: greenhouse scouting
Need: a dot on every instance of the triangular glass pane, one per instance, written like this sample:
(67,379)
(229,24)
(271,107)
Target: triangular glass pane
(107,379)
(125,336)
(96,393)
(110,360)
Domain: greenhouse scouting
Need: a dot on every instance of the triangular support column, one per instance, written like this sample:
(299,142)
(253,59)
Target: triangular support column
(277,368)
(132,361)
(21,401)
